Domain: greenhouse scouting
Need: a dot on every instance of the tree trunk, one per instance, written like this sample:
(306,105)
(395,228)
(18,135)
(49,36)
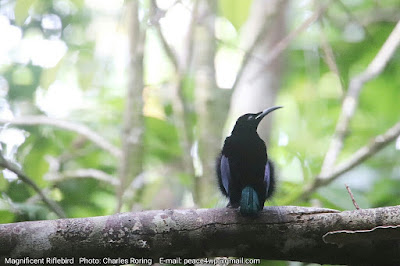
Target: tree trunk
(211,102)
(361,237)
(258,84)
(133,128)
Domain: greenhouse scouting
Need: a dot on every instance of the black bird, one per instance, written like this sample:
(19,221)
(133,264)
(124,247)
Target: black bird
(245,175)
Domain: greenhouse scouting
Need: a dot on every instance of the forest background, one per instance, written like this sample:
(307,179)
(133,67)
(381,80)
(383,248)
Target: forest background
(110,106)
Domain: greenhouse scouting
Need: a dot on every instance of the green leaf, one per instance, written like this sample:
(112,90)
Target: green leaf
(78,3)
(32,155)
(22,76)
(161,140)
(79,198)
(23,81)
(30,212)
(6,217)
(49,75)
(235,11)
(105,201)
(3,182)
(386,192)
(19,191)
(21,10)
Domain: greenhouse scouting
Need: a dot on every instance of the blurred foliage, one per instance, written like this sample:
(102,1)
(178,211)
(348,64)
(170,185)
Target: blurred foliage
(235,11)
(69,58)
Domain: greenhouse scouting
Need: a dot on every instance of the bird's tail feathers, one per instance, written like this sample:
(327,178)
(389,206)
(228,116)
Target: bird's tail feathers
(249,202)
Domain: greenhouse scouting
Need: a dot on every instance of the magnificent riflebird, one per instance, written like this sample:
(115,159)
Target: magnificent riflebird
(245,173)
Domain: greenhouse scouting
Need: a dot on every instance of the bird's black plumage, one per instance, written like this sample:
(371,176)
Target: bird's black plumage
(245,174)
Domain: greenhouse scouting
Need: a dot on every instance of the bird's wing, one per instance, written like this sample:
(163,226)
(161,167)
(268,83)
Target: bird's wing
(267,177)
(225,173)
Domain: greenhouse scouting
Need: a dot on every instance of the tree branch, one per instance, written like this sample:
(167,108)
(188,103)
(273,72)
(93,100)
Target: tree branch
(375,145)
(279,233)
(132,136)
(352,18)
(182,108)
(169,50)
(189,39)
(329,57)
(380,15)
(27,180)
(365,152)
(66,125)
(83,173)
(284,43)
(351,99)
(352,197)
(250,52)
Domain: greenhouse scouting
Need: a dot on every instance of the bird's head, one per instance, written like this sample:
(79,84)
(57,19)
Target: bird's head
(249,122)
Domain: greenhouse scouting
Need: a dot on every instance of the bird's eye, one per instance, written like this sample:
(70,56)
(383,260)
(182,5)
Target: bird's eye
(250,117)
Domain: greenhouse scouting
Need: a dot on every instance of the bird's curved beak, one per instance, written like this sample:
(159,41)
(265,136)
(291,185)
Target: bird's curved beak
(261,115)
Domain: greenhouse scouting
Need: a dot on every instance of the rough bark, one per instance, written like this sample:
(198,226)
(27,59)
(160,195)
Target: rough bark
(361,237)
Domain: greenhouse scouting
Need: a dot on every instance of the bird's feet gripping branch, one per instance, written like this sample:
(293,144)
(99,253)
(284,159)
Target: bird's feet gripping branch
(245,173)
